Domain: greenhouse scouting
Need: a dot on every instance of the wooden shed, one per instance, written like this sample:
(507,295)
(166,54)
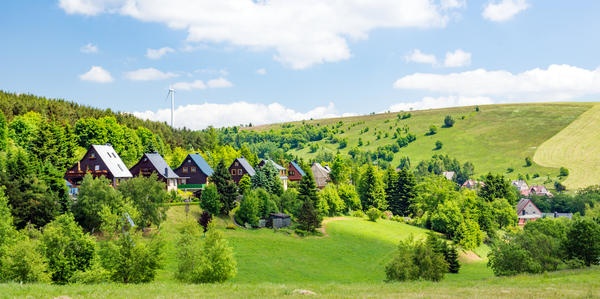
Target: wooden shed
(279,220)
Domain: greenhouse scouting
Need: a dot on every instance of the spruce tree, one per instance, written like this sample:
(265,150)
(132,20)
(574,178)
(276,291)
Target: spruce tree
(225,187)
(309,219)
(403,193)
(372,190)
(307,189)
(452,259)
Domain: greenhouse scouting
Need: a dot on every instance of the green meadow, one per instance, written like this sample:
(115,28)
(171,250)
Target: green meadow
(496,138)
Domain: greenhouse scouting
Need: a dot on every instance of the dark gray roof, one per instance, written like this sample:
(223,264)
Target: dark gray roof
(199,160)
(302,173)
(160,164)
(246,166)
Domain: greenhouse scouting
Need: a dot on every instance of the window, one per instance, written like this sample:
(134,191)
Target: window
(185,170)
(145,159)
(97,167)
(120,167)
(291,172)
(236,163)
(233,172)
(193,169)
(93,156)
(239,171)
(189,161)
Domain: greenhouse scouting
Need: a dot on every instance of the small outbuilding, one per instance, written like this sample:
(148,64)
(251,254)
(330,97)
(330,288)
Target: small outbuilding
(279,220)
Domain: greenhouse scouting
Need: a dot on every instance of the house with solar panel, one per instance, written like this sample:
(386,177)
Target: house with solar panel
(239,168)
(99,161)
(294,172)
(154,163)
(194,172)
(282,171)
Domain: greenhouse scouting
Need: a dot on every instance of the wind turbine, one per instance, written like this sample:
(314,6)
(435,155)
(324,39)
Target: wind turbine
(172,94)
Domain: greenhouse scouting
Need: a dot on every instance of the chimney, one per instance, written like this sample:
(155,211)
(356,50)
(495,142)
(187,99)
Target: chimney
(79,166)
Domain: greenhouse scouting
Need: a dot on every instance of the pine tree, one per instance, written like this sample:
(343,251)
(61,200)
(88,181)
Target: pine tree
(404,192)
(307,189)
(391,191)
(309,219)
(372,190)
(452,259)
(225,187)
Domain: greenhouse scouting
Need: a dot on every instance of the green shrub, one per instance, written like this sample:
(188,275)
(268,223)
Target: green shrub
(66,248)
(358,213)
(415,260)
(448,121)
(94,275)
(248,210)
(210,200)
(24,262)
(438,145)
(132,259)
(301,232)
(230,226)
(564,171)
(528,162)
(373,214)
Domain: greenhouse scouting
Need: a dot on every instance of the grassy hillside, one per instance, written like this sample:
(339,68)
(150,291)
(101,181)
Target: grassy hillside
(495,139)
(346,263)
(576,147)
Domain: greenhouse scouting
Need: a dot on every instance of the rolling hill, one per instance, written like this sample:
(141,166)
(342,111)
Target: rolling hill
(496,138)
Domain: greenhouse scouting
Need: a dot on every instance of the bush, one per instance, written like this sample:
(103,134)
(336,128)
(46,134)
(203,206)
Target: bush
(373,214)
(248,211)
(66,248)
(210,200)
(23,262)
(94,275)
(204,262)
(131,259)
(564,171)
(432,130)
(415,260)
(528,162)
(448,121)
(358,213)
(148,195)
(230,226)
(438,145)
(583,241)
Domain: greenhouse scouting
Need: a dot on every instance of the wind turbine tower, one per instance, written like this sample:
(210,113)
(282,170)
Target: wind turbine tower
(172,93)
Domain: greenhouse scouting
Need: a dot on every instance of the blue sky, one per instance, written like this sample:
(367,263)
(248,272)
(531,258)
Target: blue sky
(240,61)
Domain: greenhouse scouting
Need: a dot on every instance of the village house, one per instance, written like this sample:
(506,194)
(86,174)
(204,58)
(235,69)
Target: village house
(99,161)
(239,168)
(449,175)
(527,211)
(295,172)
(522,186)
(472,184)
(194,172)
(320,174)
(282,171)
(540,190)
(154,163)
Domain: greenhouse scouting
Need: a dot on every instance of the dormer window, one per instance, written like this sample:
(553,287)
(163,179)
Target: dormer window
(239,171)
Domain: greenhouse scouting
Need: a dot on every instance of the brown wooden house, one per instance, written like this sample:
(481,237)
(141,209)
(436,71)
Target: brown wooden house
(154,163)
(239,168)
(194,172)
(99,160)
(295,172)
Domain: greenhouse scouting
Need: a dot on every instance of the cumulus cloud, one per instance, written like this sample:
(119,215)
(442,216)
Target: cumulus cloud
(504,10)
(158,53)
(148,74)
(97,74)
(419,57)
(219,83)
(198,84)
(219,115)
(555,82)
(319,33)
(449,4)
(440,102)
(261,71)
(89,49)
(457,58)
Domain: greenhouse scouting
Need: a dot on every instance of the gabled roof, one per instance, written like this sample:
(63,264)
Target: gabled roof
(277,166)
(244,163)
(449,174)
(202,164)
(161,165)
(523,203)
(298,168)
(320,174)
(520,184)
(112,161)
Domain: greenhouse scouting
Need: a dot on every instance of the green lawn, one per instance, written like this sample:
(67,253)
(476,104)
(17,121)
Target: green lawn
(349,262)
(495,139)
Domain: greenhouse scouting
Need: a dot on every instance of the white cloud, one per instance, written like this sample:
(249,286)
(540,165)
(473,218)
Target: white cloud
(158,53)
(219,83)
(219,115)
(89,49)
(555,82)
(449,4)
(319,32)
(419,57)
(148,74)
(504,10)
(97,74)
(457,58)
(440,102)
(261,71)
(198,84)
